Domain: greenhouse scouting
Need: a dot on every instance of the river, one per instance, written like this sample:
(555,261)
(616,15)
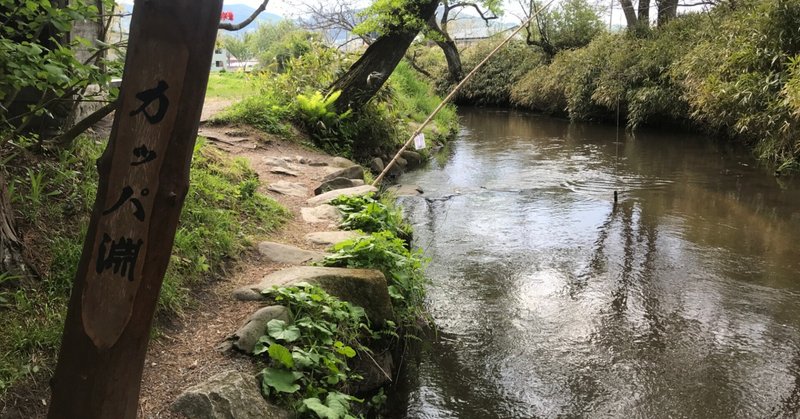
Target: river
(680,301)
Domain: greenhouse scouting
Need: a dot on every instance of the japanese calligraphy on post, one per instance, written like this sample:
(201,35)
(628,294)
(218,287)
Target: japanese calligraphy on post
(143,128)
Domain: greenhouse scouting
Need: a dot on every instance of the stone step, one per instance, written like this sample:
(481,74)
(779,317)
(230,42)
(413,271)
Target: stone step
(283,253)
(366,288)
(329,238)
(289,188)
(327,214)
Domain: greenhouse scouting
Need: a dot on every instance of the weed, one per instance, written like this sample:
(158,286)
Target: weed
(403,270)
(307,359)
(370,216)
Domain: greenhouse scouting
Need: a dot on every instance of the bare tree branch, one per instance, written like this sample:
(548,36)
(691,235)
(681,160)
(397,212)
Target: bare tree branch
(485,16)
(341,15)
(249,20)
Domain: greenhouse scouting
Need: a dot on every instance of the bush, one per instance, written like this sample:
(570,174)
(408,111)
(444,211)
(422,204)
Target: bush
(737,83)
(294,96)
(307,359)
(491,85)
(403,270)
(370,216)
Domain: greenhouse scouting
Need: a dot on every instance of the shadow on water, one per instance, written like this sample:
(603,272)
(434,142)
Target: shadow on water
(681,300)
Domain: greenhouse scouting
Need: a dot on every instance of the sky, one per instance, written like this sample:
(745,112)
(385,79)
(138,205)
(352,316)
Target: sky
(290,8)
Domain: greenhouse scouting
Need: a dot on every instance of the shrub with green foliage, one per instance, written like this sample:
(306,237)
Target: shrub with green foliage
(366,214)
(736,83)
(307,365)
(294,96)
(728,71)
(402,267)
(491,85)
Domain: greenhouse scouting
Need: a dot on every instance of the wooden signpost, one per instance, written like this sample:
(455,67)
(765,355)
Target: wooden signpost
(144,178)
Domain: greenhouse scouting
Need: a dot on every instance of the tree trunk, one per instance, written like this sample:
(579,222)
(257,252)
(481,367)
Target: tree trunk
(366,76)
(644,13)
(11,262)
(630,13)
(452,56)
(667,10)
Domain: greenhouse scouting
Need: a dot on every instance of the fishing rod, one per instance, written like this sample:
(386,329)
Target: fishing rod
(456,89)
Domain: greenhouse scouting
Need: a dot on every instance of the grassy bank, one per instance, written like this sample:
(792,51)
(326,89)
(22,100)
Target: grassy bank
(290,95)
(731,72)
(53,196)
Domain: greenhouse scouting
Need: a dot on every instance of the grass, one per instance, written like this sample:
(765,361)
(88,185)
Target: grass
(222,213)
(229,85)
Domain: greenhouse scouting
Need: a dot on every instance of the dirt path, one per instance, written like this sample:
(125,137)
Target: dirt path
(186,352)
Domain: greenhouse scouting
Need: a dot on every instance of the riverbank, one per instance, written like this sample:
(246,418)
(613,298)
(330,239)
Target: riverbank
(730,71)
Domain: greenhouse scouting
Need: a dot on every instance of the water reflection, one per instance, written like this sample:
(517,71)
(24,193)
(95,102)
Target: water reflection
(681,300)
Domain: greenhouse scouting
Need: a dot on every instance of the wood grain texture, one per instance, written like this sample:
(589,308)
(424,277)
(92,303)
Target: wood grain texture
(130,237)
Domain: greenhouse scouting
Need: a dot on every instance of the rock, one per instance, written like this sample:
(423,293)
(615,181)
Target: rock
(322,214)
(376,165)
(246,294)
(341,162)
(330,196)
(275,162)
(288,188)
(246,338)
(282,253)
(301,159)
(337,183)
(329,238)
(352,172)
(366,288)
(283,171)
(405,190)
(315,163)
(227,395)
(357,182)
(413,158)
(375,370)
(401,163)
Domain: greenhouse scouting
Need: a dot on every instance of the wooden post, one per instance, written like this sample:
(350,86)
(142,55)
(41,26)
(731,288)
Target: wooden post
(144,178)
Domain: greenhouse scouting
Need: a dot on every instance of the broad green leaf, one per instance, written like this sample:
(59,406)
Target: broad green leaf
(281,380)
(279,330)
(281,354)
(345,350)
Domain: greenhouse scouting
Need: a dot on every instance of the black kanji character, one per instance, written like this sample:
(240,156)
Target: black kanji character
(121,255)
(143,153)
(147,97)
(127,194)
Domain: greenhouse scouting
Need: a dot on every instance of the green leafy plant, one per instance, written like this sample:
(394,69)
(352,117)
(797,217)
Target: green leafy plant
(307,358)
(370,216)
(403,270)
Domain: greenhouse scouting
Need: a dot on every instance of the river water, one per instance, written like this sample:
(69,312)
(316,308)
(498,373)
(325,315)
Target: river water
(680,301)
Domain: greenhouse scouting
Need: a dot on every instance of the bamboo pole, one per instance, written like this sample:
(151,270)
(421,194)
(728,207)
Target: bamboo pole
(456,89)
